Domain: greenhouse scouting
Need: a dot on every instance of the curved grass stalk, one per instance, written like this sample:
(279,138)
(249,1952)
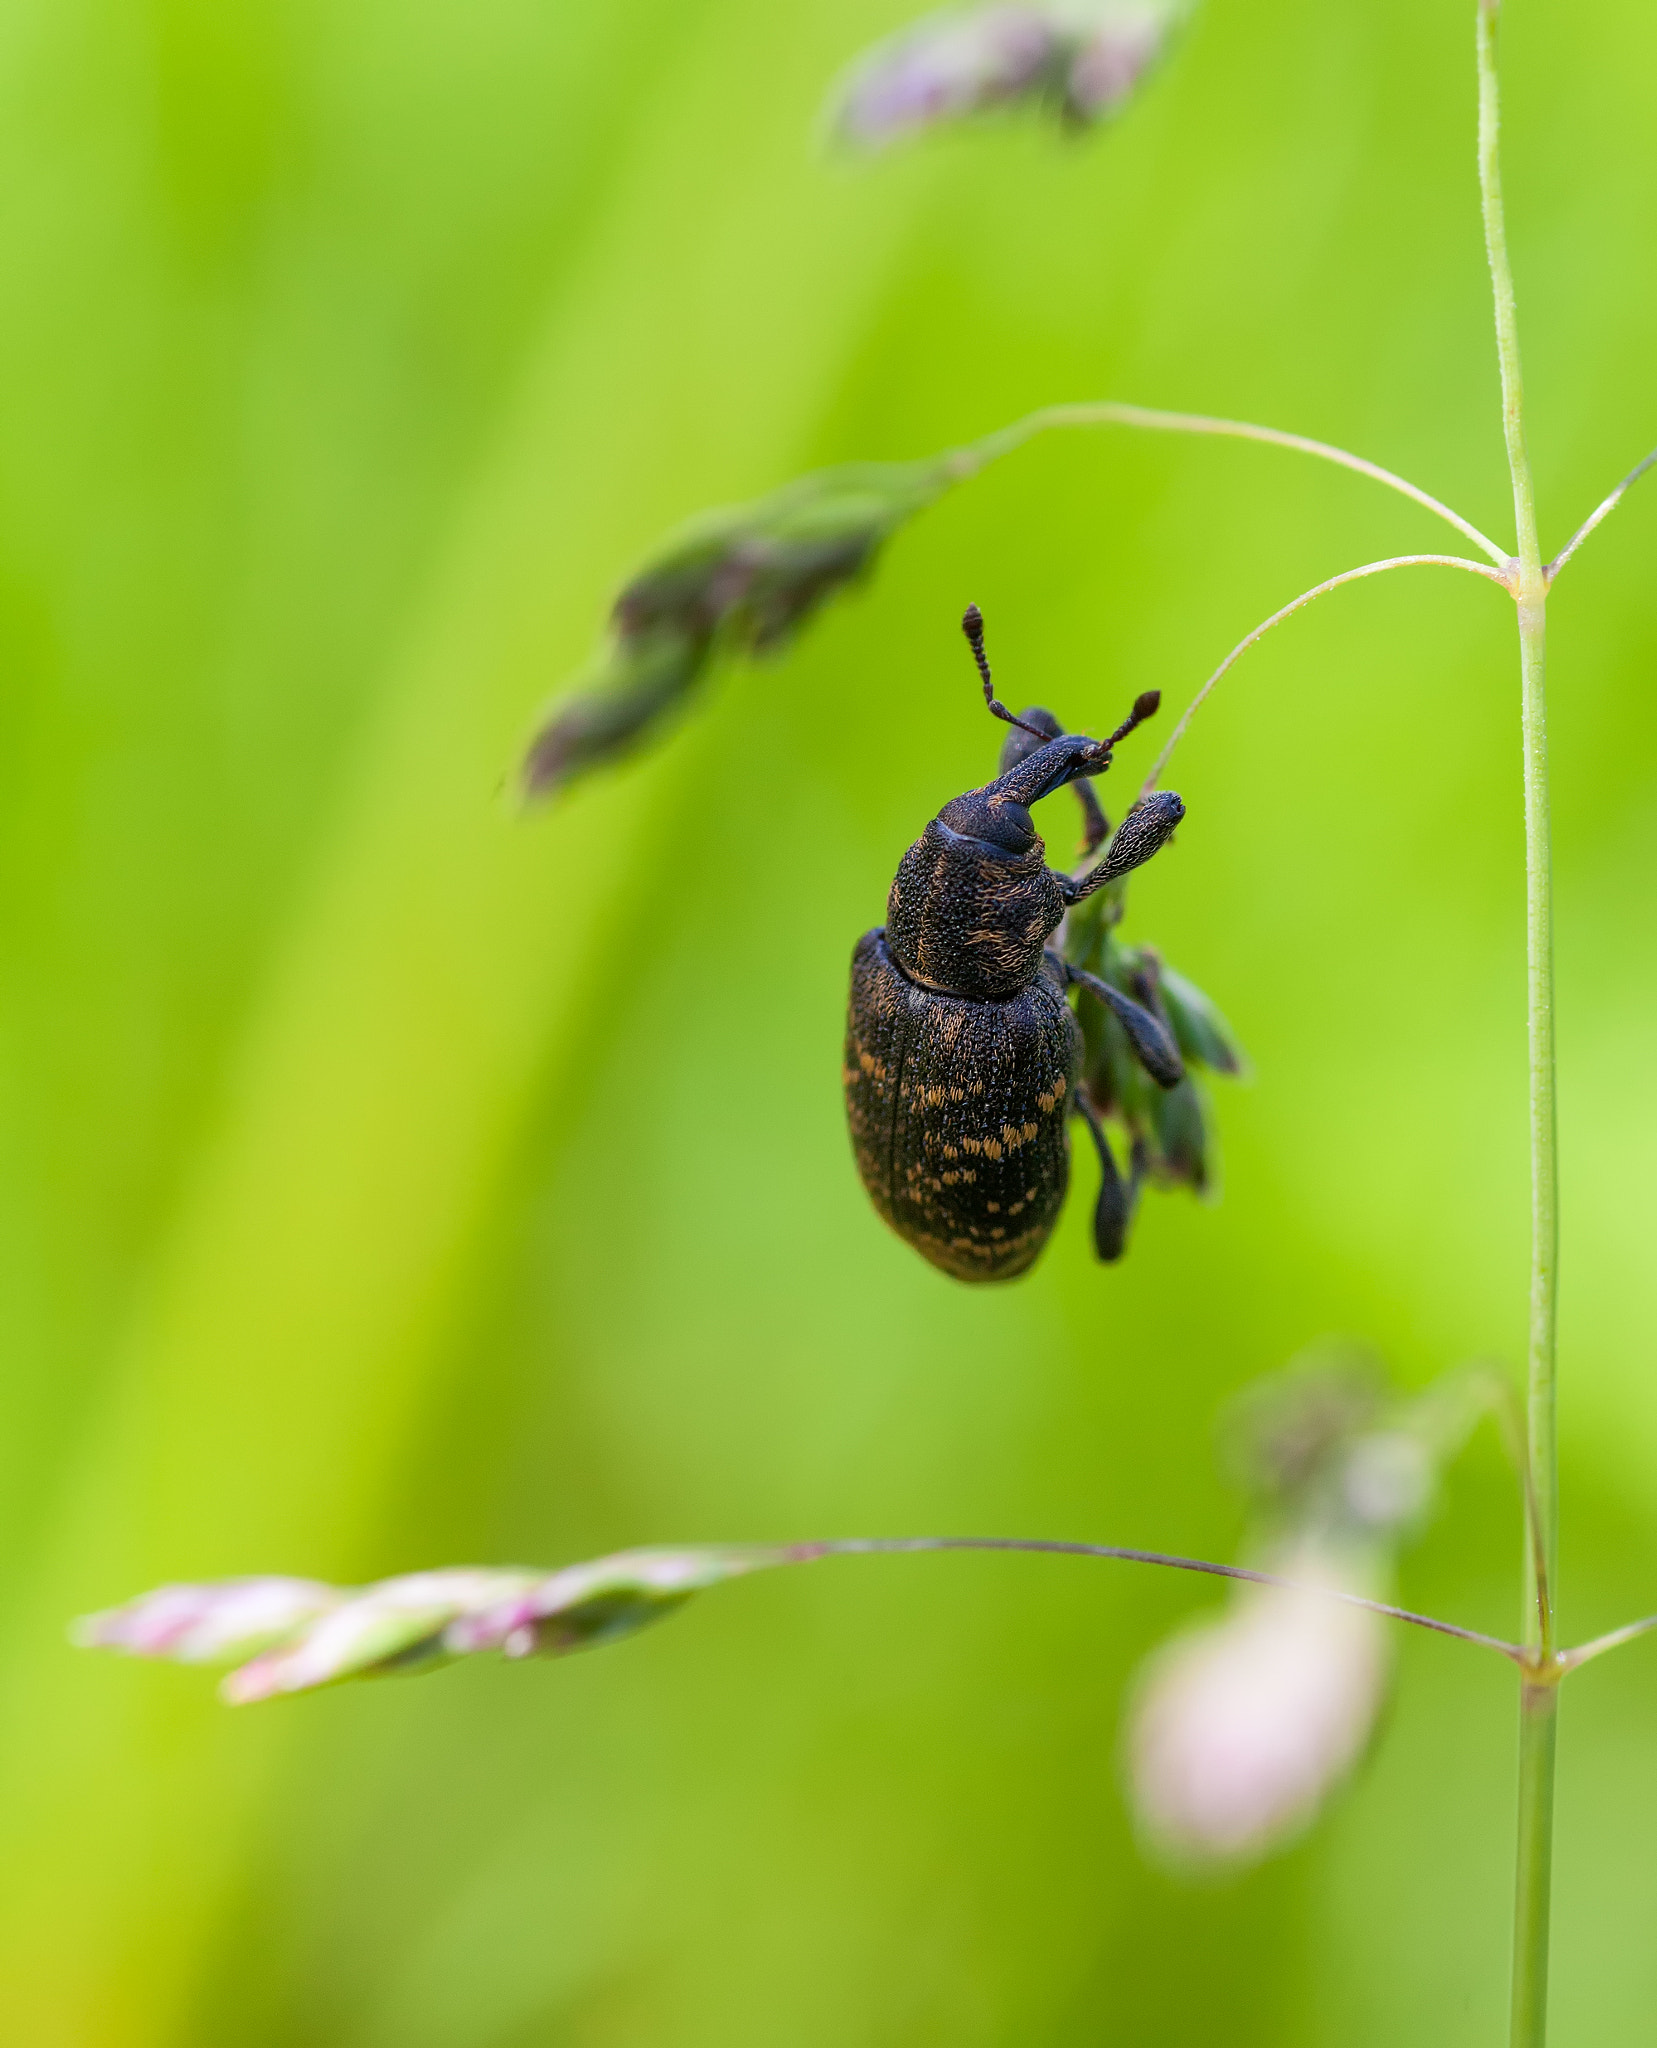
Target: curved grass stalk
(1584,1653)
(1601,512)
(1107,413)
(895,1546)
(1287,611)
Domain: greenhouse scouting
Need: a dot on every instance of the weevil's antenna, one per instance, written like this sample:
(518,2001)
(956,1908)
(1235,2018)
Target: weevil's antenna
(1145,705)
(972,624)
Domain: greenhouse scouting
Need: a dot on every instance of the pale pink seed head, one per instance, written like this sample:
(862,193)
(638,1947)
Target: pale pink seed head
(205,1624)
(1243,1725)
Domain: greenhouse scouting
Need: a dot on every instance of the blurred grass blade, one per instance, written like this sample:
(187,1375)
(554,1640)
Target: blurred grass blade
(306,1047)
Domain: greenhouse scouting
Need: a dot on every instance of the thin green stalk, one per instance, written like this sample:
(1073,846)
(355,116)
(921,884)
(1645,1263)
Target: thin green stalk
(1542,1378)
(1288,611)
(1539,1702)
(1108,413)
(1601,512)
(1533,1891)
(906,1546)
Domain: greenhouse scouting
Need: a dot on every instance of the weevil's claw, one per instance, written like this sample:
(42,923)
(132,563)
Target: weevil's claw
(1113,1212)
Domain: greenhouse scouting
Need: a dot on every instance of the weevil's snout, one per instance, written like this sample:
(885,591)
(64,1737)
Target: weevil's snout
(1088,758)
(1038,728)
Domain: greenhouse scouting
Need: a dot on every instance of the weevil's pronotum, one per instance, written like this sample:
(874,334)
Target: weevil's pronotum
(963,1057)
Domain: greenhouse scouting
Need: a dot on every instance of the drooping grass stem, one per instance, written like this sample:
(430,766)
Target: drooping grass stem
(1538,1716)
(1149,419)
(908,1546)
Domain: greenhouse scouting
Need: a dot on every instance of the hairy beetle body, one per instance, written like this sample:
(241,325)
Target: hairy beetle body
(962,1054)
(971,917)
(958,1111)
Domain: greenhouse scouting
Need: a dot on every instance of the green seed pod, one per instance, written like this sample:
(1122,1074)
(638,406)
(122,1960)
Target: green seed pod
(1180,1149)
(1203,1034)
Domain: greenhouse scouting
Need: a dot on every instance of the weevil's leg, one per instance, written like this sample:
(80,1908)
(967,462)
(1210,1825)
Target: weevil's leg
(1113,1212)
(1144,832)
(1153,1043)
(1019,746)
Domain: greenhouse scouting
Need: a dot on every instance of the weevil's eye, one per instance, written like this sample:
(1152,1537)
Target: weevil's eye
(1008,823)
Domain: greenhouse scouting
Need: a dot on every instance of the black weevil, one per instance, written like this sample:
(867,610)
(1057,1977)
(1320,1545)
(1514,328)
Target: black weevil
(963,1056)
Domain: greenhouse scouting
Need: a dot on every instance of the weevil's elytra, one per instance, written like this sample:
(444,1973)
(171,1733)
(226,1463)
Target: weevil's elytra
(962,1053)
(958,1112)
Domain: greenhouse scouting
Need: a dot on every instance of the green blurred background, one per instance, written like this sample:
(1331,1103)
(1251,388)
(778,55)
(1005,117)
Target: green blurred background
(385,1180)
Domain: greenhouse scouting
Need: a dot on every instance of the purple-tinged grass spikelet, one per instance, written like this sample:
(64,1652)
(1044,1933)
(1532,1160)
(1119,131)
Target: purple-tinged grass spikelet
(1078,62)
(208,1624)
(298,1635)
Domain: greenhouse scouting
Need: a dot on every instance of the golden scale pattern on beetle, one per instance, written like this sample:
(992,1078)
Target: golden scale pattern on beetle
(970,919)
(958,1113)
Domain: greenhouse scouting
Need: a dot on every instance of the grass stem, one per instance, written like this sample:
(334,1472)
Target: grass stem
(909,1546)
(1109,413)
(1296,604)
(1533,1900)
(1539,1700)
(1601,512)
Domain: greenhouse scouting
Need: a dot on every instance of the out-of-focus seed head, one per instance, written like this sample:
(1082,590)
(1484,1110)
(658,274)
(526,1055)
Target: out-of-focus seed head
(588,1604)
(1325,1444)
(947,66)
(743,580)
(1244,1725)
(1286,1437)
(396,1625)
(299,1635)
(1108,61)
(641,686)
(1387,1479)
(1077,62)
(208,1624)
(757,572)
(1181,1151)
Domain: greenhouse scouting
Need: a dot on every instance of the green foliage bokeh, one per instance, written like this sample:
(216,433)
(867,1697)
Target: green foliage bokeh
(386,1180)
